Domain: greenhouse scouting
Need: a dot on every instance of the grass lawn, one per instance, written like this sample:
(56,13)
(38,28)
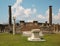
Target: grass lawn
(19,40)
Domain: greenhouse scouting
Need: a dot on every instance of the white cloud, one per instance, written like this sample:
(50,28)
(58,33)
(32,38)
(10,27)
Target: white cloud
(27,12)
(19,1)
(59,14)
(21,13)
(41,16)
(59,10)
(18,10)
(34,10)
(57,17)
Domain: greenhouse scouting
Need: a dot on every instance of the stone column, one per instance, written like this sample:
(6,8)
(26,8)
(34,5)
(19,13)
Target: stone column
(10,17)
(14,26)
(54,28)
(50,15)
(57,28)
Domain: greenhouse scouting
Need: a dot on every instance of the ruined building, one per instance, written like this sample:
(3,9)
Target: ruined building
(28,26)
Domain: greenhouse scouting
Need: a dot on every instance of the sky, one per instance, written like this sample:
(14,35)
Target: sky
(30,10)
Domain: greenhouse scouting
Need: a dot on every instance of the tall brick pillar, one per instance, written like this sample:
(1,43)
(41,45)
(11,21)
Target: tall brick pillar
(50,15)
(10,16)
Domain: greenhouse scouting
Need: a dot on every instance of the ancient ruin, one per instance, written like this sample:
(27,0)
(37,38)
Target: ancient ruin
(28,26)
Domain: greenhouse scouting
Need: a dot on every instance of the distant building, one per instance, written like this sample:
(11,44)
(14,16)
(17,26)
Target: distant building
(28,26)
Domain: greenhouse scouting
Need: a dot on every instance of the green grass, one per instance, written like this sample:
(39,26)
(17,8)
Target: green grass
(19,40)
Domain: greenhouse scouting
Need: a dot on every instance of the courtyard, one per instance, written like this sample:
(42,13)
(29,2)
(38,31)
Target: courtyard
(20,40)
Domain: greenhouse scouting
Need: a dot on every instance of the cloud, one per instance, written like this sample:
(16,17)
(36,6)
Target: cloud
(19,1)
(34,10)
(18,10)
(41,16)
(22,13)
(57,16)
(59,10)
(27,12)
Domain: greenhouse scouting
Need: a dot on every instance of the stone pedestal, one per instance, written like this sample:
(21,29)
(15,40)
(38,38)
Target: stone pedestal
(35,35)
